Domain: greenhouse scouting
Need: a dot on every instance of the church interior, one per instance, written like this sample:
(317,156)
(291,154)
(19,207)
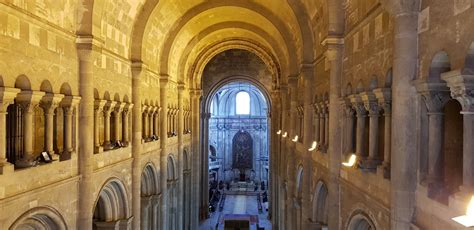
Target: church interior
(237,114)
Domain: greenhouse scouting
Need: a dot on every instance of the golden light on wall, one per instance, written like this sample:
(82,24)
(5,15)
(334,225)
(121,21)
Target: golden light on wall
(351,162)
(313,146)
(468,219)
(295,139)
(285,134)
(279,132)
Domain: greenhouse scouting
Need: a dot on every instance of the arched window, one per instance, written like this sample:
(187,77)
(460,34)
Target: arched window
(242,103)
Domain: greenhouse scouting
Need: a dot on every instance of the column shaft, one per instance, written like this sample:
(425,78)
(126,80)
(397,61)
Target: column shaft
(435,148)
(164,154)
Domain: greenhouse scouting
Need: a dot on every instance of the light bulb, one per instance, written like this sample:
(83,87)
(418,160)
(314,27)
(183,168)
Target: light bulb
(313,146)
(295,139)
(285,134)
(279,132)
(468,219)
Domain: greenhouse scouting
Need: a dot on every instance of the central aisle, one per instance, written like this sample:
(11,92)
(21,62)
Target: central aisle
(238,204)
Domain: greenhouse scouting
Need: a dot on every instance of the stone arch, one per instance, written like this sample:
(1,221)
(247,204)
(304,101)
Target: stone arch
(286,65)
(106,95)
(198,66)
(171,168)
(360,221)
(46,86)
(112,204)
(65,89)
(22,82)
(388,78)
(439,64)
(348,89)
(299,181)
(373,83)
(46,218)
(149,181)
(360,87)
(469,61)
(206,6)
(320,204)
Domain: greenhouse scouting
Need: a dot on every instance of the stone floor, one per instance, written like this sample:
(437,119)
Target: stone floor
(237,204)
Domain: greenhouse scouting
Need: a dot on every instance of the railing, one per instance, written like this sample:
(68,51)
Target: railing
(215,164)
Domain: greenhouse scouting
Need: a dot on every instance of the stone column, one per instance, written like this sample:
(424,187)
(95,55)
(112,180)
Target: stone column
(125,124)
(180,211)
(404,151)
(49,103)
(435,96)
(361,116)
(204,208)
(326,126)
(28,101)
(349,127)
(322,123)
(139,71)
(384,99)
(108,108)
(291,172)
(7,96)
(69,104)
(87,50)
(117,117)
(144,117)
(316,122)
(196,158)
(461,84)
(98,108)
(371,105)
(151,127)
(164,151)
(334,56)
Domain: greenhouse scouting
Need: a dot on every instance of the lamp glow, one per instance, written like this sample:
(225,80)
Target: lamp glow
(295,139)
(468,219)
(285,134)
(313,146)
(279,132)
(351,162)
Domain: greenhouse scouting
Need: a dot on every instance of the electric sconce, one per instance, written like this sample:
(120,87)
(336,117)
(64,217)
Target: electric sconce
(468,219)
(313,146)
(295,139)
(351,162)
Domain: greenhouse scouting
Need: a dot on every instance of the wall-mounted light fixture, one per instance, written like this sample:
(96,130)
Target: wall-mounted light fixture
(351,162)
(279,132)
(285,134)
(468,219)
(313,146)
(295,139)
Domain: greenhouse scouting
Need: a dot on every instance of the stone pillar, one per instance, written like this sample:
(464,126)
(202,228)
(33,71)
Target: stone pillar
(196,158)
(316,123)
(144,117)
(322,123)
(125,124)
(49,103)
(164,152)
(462,88)
(361,116)
(28,101)
(372,106)
(69,104)
(384,99)
(404,151)
(349,127)
(98,108)
(151,127)
(180,211)
(7,96)
(435,96)
(87,50)
(204,208)
(291,212)
(334,56)
(139,71)
(108,108)
(326,126)
(117,117)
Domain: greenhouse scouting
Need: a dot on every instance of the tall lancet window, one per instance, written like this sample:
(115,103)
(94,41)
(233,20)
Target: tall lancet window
(242,103)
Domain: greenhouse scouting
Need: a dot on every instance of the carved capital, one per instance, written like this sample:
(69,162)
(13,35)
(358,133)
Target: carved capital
(29,100)
(108,107)
(434,94)
(50,102)
(462,88)
(7,96)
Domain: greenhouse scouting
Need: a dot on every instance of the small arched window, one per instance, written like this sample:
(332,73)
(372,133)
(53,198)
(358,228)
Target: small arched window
(242,103)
